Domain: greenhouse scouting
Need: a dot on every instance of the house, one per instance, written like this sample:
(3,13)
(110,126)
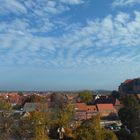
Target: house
(83,111)
(106,110)
(107,100)
(91,111)
(80,111)
(28,107)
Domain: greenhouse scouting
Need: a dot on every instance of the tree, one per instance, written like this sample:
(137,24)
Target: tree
(5,105)
(36,98)
(91,130)
(85,96)
(65,115)
(58,100)
(129,100)
(135,136)
(130,113)
(108,135)
(39,122)
(33,126)
(124,135)
(32,99)
(61,117)
(115,94)
(6,125)
(20,93)
(6,121)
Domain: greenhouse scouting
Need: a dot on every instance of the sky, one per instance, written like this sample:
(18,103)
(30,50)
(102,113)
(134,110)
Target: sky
(68,44)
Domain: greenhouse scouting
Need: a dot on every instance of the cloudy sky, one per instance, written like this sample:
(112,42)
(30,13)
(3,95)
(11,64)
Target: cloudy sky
(68,44)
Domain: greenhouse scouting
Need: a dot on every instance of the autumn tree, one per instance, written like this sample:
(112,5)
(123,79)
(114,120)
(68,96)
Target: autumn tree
(91,130)
(6,125)
(32,99)
(5,105)
(62,115)
(38,124)
(65,114)
(33,126)
(58,100)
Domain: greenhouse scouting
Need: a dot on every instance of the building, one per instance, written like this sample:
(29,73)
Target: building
(106,110)
(107,100)
(130,86)
(91,111)
(83,111)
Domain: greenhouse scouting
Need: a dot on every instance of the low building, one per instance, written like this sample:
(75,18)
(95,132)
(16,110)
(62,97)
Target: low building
(107,99)
(91,111)
(80,111)
(83,111)
(106,110)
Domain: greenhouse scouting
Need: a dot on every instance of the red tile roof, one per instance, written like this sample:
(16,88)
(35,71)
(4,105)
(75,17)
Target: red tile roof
(81,106)
(127,81)
(84,107)
(103,107)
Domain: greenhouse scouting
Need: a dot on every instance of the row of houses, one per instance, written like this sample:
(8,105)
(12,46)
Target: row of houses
(82,110)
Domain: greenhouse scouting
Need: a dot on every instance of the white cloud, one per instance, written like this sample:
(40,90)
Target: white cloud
(125,2)
(40,15)
(100,41)
(38,7)
(73,2)
(12,6)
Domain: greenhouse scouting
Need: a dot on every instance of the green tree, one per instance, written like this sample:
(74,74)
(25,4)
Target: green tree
(115,94)
(124,135)
(130,100)
(130,113)
(20,93)
(85,96)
